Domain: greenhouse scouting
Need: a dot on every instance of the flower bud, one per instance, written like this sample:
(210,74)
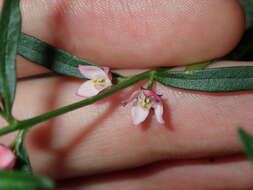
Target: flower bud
(7,158)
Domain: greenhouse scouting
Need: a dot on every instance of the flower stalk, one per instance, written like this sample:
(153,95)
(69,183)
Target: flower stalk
(25,124)
(151,80)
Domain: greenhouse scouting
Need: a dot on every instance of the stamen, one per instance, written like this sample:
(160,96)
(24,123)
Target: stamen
(100,83)
(145,102)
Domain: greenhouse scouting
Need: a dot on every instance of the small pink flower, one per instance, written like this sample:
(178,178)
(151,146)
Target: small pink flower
(7,158)
(100,79)
(143,101)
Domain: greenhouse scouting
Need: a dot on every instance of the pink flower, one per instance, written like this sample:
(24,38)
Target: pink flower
(100,79)
(7,158)
(143,101)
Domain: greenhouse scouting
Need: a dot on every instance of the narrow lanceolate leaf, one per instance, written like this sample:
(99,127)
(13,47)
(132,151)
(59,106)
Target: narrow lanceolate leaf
(247,141)
(53,58)
(22,162)
(15,180)
(198,66)
(10,28)
(227,79)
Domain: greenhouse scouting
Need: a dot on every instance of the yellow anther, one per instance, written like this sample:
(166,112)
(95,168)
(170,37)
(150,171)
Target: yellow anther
(101,80)
(145,102)
(94,81)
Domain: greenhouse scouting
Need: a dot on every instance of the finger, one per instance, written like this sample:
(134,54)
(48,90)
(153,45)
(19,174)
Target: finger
(223,173)
(136,34)
(101,138)
(26,68)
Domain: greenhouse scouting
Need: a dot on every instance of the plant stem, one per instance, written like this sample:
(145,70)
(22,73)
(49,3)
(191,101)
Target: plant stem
(151,80)
(25,124)
(22,162)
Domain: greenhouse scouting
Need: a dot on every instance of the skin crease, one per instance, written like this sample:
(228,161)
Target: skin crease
(101,138)
(181,174)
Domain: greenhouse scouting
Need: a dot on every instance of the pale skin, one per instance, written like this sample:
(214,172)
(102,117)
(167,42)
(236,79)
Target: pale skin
(100,138)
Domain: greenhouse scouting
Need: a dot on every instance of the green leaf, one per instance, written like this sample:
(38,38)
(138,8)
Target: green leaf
(10,28)
(55,59)
(226,79)
(197,66)
(15,180)
(22,162)
(247,141)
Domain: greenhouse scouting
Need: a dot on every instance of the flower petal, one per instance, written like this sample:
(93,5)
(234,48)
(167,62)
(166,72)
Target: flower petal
(152,95)
(133,96)
(90,72)
(107,72)
(7,158)
(87,89)
(159,113)
(148,93)
(139,114)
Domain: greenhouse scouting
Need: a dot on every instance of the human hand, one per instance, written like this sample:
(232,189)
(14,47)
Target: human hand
(100,138)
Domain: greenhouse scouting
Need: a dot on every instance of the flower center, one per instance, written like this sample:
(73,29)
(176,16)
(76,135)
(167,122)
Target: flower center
(145,102)
(101,82)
